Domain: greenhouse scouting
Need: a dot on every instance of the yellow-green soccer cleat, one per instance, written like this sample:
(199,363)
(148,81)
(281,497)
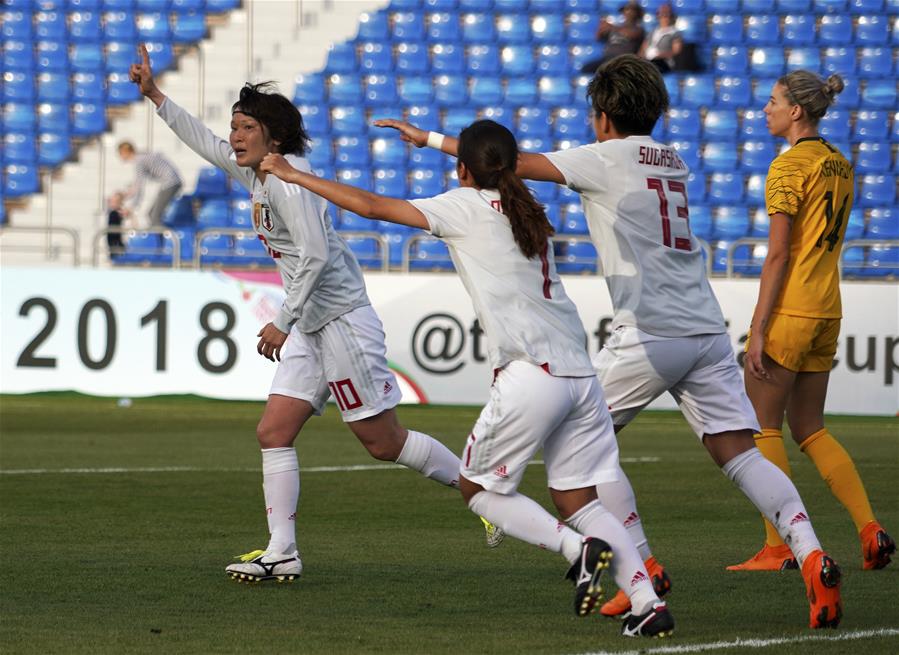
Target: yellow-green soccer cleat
(495,535)
(262,566)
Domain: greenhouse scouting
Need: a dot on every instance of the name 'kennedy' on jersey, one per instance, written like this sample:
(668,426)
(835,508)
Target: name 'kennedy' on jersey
(651,156)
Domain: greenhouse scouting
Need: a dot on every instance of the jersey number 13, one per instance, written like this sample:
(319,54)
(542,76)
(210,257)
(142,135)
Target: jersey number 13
(674,186)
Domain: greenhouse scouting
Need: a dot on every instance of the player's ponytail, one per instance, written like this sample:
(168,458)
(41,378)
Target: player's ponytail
(490,154)
(810,92)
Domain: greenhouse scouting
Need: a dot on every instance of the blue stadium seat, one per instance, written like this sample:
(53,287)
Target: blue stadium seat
(731,60)
(880,94)
(834,126)
(725,189)
(347,120)
(211,183)
(482,59)
(755,190)
(316,119)
(356,177)
(544,192)
(726,29)
(520,91)
(475,5)
(756,156)
(876,190)
(487,90)
(798,30)
(444,27)
(510,5)
(835,30)
(405,5)
(447,58)
(762,30)
(218,6)
(855,227)
(84,27)
(517,60)
(754,126)
(17,26)
(249,251)
(18,86)
(390,182)
(20,180)
(241,212)
(547,28)
(427,158)
(696,188)
(19,148)
(373,26)
(441,5)
(189,27)
(582,27)
(18,117)
(451,90)
(722,6)
(513,28)
(720,125)
(478,28)
(108,5)
(839,60)
(534,121)
(456,119)
(875,62)
(397,236)
(873,157)
(120,90)
(380,91)
(554,90)
(554,215)
(852,261)
(759,222)
(215,212)
(698,90)
(351,152)
(767,62)
(215,248)
(805,58)
(187,6)
(571,122)
(733,92)
(18,55)
(672,84)
(341,58)
(367,251)
(425,117)
(89,87)
(700,221)
(692,27)
(502,115)
(865,6)
(345,89)
(688,151)
(53,117)
(181,213)
(119,56)
(407,26)
(153,27)
(575,257)
(53,55)
(730,223)
(412,58)
(794,6)
(552,59)
(581,54)
(882,262)
(152,5)
(573,219)
(850,97)
(829,6)
(719,157)
(416,90)
(50,26)
(872,30)
(162,55)
(883,223)
(350,222)
(429,254)
(309,88)
(424,183)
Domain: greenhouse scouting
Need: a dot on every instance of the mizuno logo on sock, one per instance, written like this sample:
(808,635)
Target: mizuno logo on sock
(799,518)
(632,518)
(639,576)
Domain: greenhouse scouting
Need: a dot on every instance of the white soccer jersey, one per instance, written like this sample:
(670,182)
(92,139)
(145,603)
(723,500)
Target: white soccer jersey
(321,276)
(519,302)
(634,193)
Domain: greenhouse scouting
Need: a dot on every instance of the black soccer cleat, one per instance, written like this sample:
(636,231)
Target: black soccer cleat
(655,623)
(595,557)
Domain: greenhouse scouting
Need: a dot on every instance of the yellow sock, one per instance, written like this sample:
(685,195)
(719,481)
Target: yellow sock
(838,471)
(771,443)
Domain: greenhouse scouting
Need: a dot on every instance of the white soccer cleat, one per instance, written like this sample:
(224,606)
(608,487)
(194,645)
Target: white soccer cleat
(259,566)
(494,534)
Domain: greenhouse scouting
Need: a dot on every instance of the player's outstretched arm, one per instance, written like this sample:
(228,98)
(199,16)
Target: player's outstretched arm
(359,201)
(142,75)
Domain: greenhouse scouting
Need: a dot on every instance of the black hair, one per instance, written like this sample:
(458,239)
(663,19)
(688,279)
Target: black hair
(277,114)
(631,92)
(490,153)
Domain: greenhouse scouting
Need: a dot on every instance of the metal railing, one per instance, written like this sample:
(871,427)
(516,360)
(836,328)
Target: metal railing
(165,232)
(49,249)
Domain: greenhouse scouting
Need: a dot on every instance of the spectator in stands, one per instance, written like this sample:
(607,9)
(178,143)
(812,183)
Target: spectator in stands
(794,330)
(157,168)
(620,38)
(664,43)
(116,213)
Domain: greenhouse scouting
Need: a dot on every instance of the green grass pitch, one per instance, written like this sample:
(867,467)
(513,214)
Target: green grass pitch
(132,561)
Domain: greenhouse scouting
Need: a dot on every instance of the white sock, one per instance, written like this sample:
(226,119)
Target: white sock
(281,484)
(775,496)
(618,497)
(524,519)
(627,567)
(430,458)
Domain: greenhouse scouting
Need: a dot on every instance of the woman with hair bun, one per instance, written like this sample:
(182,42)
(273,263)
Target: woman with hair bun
(794,330)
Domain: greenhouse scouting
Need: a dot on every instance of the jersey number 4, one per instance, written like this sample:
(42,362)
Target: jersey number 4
(831,235)
(680,243)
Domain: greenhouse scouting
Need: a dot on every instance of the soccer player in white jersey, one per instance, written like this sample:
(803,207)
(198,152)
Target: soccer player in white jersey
(668,330)
(336,342)
(545,393)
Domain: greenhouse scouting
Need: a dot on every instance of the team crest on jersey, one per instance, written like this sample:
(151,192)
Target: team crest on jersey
(262,216)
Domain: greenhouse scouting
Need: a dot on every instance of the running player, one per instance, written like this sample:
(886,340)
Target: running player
(793,336)
(544,394)
(668,330)
(336,343)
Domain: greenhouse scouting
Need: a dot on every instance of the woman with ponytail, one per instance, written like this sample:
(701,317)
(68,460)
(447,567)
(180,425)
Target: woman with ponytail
(794,330)
(545,394)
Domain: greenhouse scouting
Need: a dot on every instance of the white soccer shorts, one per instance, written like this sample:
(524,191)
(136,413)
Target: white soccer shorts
(347,358)
(530,409)
(700,372)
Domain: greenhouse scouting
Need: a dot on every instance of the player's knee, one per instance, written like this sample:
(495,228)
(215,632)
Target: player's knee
(269,436)
(384,449)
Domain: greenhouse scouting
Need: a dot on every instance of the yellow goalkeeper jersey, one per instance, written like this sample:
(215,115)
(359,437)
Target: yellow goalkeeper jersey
(812,183)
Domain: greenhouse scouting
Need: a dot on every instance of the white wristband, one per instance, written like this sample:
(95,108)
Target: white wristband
(435,140)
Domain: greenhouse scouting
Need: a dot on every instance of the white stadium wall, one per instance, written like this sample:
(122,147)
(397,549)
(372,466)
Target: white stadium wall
(141,333)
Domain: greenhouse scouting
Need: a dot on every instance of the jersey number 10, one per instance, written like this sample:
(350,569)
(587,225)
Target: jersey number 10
(680,243)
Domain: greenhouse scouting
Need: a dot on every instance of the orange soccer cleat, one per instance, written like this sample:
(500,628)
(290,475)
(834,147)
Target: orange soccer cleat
(822,585)
(620,605)
(769,558)
(877,546)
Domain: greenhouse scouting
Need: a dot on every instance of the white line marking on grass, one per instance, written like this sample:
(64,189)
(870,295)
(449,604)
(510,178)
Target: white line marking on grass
(752,643)
(197,469)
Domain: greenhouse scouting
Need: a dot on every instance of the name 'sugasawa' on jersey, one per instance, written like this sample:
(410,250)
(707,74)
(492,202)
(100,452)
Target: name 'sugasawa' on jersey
(665,157)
